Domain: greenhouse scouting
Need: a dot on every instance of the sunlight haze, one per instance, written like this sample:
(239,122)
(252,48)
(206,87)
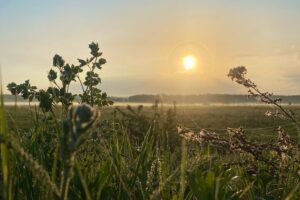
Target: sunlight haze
(145,41)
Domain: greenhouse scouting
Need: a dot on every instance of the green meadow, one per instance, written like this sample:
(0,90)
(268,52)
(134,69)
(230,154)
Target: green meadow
(136,152)
(216,117)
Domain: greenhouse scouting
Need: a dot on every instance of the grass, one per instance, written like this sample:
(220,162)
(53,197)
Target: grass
(216,118)
(135,153)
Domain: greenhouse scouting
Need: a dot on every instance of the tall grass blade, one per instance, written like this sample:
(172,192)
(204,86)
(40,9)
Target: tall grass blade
(83,182)
(148,141)
(104,174)
(4,150)
(182,170)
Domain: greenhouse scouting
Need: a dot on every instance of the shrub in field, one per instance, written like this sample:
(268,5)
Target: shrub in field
(61,76)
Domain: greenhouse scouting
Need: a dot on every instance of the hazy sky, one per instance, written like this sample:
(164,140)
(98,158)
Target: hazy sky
(144,42)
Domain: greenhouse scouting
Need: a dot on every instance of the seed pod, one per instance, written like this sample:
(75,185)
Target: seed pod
(82,117)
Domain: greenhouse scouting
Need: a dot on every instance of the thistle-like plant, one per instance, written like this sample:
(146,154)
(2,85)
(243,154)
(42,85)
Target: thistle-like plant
(277,156)
(238,74)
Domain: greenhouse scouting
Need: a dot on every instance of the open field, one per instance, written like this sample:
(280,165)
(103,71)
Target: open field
(196,117)
(137,153)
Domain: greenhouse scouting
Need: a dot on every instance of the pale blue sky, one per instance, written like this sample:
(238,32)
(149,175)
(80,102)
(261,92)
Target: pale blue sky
(144,40)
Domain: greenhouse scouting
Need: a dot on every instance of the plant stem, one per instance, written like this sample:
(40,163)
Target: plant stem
(81,84)
(67,176)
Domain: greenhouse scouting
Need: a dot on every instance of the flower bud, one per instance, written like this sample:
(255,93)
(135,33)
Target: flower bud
(83,117)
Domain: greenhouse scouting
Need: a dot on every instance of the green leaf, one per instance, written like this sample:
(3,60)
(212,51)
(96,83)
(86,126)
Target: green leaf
(13,88)
(52,75)
(82,62)
(58,61)
(103,175)
(102,61)
(45,100)
(95,49)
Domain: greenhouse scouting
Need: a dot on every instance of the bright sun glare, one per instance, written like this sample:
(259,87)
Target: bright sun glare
(189,62)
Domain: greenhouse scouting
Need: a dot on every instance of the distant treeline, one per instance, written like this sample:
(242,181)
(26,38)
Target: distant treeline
(202,98)
(189,99)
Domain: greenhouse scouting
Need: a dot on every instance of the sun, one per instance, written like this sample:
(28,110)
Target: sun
(189,62)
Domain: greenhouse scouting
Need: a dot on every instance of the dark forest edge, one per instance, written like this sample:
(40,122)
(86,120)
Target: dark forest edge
(192,99)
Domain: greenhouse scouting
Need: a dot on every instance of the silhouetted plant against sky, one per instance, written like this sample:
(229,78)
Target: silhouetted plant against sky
(61,76)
